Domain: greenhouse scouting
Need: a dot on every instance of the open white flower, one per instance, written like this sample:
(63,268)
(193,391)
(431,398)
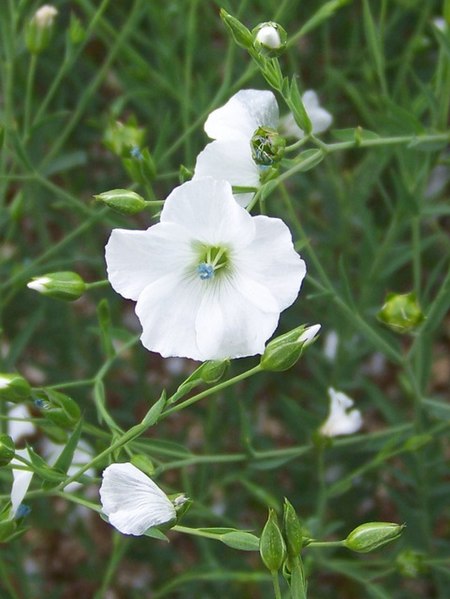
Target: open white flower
(210,280)
(232,127)
(132,501)
(320,118)
(341,419)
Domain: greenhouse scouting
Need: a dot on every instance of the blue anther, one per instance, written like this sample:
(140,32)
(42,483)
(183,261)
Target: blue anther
(205,271)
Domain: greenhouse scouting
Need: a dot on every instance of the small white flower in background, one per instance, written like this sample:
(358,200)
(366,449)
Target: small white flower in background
(133,502)
(81,456)
(320,118)
(19,425)
(330,346)
(45,16)
(341,419)
(440,23)
(21,482)
(232,127)
(210,280)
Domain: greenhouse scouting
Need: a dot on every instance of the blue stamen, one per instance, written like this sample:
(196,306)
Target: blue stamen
(205,271)
(22,511)
(136,153)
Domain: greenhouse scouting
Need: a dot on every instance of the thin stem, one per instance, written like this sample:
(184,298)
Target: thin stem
(29,95)
(276,584)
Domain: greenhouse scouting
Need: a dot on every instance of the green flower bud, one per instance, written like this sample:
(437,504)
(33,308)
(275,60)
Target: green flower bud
(373,535)
(271,545)
(410,563)
(77,33)
(239,32)
(401,312)
(39,30)
(64,285)
(124,138)
(7,449)
(293,530)
(144,463)
(123,201)
(269,39)
(14,388)
(212,371)
(58,408)
(284,351)
(267,146)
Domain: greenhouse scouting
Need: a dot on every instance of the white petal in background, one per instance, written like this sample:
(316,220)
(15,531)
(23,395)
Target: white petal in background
(132,501)
(21,481)
(341,419)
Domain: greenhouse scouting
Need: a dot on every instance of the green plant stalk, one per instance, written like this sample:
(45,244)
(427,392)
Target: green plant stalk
(29,96)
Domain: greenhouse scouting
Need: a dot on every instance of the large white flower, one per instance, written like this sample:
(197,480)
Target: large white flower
(341,419)
(132,501)
(232,127)
(210,280)
(320,118)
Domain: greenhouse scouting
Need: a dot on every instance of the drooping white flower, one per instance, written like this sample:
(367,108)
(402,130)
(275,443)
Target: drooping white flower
(320,118)
(341,419)
(232,127)
(269,36)
(132,501)
(21,481)
(210,280)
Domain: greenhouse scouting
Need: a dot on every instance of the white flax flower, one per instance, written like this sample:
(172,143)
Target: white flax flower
(320,118)
(21,481)
(133,502)
(233,127)
(210,280)
(341,419)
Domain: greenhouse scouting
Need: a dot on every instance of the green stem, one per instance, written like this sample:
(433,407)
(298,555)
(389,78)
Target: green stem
(210,391)
(29,96)
(276,584)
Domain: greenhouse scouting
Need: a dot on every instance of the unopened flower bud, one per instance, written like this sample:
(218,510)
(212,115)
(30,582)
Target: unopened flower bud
(267,146)
(401,312)
(293,531)
(269,39)
(7,449)
(14,388)
(284,351)
(240,33)
(123,201)
(373,535)
(40,29)
(123,138)
(64,285)
(410,563)
(77,33)
(212,371)
(271,546)
(58,408)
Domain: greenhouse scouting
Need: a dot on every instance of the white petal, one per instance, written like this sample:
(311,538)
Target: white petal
(242,327)
(272,261)
(207,209)
(136,258)
(21,481)
(321,119)
(243,114)
(232,161)
(132,501)
(167,310)
(341,420)
(22,427)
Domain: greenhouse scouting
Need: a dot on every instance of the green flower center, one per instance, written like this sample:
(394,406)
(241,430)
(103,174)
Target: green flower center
(211,260)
